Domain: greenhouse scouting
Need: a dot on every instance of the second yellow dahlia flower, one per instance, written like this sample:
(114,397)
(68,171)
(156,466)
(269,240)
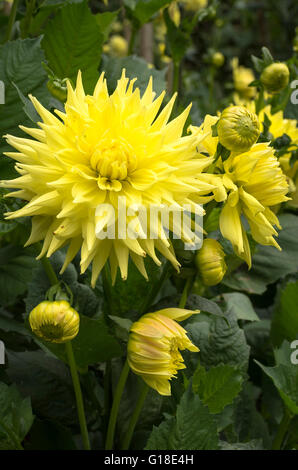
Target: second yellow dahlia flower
(248,183)
(154,344)
(112,150)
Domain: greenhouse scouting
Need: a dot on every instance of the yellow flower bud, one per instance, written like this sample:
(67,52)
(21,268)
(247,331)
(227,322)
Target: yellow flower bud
(154,344)
(56,321)
(118,46)
(275,77)
(218,59)
(210,261)
(238,128)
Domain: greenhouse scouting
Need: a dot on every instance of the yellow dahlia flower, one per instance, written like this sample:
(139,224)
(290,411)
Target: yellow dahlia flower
(154,344)
(249,184)
(55,322)
(112,150)
(279,126)
(242,77)
(254,181)
(275,77)
(210,261)
(238,128)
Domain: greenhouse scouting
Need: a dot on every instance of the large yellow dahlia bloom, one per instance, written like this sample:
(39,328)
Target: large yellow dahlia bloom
(248,183)
(103,147)
(154,344)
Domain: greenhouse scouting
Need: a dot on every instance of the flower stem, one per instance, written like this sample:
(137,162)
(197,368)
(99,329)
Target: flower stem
(72,364)
(49,270)
(135,416)
(185,292)
(132,40)
(78,394)
(28,17)
(156,287)
(282,429)
(176,73)
(115,406)
(11,20)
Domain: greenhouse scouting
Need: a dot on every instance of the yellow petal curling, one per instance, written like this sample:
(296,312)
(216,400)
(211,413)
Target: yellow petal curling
(154,344)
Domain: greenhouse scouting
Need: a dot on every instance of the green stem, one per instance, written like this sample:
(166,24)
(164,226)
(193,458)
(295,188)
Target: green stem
(132,40)
(155,288)
(176,73)
(72,364)
(115,406)
(282,429)
(78,394)
(49,271)
(135,416)
(107,382)
(11,20)
(185,292)
(28,18)
(107,287)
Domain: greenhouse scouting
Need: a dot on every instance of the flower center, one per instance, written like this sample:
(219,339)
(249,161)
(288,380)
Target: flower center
(51,331)
(113,160)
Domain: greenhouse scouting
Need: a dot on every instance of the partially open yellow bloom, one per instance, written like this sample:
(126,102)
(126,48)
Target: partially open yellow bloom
(154,344)
(242,77)
(275,77)
(254,182)
(210,261)
(249,183)
(238,128)
(114,150)
(55,322)
(278,127)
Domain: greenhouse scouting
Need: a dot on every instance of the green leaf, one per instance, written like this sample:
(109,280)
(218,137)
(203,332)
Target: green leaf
(93,344)
(269,264)
(285,319)
(219,386)
(48,382)
(248,422)
(134,67)
(193,428)
(73,42)
(178,39)
(285,377)
(16,417)
(20,66)
(16,266)
(159,437)
(254,444)
(105,22)
(241,306)
(219,341)
(195,302)
(143,10)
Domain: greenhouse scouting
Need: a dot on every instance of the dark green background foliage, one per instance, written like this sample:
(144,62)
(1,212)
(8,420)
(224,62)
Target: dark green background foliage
(233,393)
